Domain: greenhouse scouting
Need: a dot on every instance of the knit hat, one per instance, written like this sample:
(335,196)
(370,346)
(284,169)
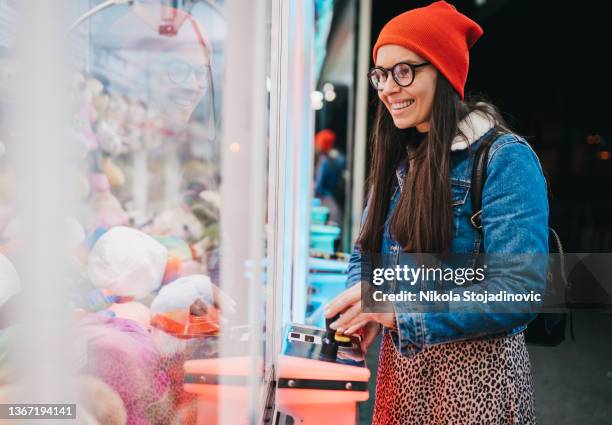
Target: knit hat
(325,139)
(438,33)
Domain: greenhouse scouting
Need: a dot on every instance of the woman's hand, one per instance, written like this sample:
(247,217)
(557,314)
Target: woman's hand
(368,334)
(352,318)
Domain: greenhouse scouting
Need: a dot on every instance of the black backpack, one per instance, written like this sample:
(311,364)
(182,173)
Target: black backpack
(547,329)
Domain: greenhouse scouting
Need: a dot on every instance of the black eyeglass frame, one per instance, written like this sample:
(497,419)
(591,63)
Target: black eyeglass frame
(413,68)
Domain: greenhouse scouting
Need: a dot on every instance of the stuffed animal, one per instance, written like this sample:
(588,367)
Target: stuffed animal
(178,221)
(123,355)
(127,262)
(105,210)
(113,173)
(100,401)
(175,246)
(133,310)
(180,294)
(109,138)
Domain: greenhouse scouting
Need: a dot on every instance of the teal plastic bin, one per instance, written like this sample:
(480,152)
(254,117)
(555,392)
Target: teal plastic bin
(322,237)
(319,214)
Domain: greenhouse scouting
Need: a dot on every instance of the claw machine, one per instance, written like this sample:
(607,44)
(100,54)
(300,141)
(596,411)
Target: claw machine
(162,222)
(197,126)
(168,295)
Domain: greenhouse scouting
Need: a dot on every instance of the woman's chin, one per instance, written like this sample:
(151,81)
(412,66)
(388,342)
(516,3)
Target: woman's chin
(403,123)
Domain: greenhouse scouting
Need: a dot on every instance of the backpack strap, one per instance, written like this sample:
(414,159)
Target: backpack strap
(479,174)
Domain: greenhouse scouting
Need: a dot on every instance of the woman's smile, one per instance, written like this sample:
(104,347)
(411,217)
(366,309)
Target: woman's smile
(398,107)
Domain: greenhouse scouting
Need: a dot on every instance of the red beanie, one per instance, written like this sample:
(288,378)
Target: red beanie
(438,33)
(325,139)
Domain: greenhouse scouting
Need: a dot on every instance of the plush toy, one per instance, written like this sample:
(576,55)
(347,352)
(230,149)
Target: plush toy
(109,139)
(97,404)
(105,210)
(181,294)
(86,115)
(127,262)
(192,267)
(115,176)
(123,355)
(116,112)
(93,237)
(94,300)
(100,401)
(133,310)
(175,246)
(178,221)
(93,86)
(174,267)
(212,197)
(100,102)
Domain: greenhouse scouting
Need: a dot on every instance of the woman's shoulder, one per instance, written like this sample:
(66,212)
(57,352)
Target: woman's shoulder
(510,149)
(505,139)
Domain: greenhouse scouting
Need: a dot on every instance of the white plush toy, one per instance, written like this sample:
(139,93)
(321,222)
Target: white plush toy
(109,139)
(127,262)
(178,221)
(181,293)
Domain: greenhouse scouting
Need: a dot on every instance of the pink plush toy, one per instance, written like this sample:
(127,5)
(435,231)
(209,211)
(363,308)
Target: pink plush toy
(105,209)
(124,356)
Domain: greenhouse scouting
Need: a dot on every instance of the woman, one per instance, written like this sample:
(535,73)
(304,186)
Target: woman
(443,368)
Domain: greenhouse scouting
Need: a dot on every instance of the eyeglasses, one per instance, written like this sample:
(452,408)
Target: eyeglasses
(179,71)
(403,74)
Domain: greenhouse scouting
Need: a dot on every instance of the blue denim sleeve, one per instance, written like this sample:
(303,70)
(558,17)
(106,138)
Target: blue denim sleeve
(358,263)
(514,221)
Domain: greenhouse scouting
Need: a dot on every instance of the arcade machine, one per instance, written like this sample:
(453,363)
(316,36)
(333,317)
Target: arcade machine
(321,375)
(316,376)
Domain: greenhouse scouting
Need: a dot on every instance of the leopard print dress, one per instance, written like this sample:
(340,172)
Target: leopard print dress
(463,383)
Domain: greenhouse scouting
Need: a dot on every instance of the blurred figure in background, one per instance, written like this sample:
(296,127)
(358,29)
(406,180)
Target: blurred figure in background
(329,181)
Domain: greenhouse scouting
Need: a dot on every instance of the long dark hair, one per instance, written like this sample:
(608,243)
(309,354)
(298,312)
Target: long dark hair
(422,219)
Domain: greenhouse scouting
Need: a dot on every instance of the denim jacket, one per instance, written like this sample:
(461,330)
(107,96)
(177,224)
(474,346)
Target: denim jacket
(514,220)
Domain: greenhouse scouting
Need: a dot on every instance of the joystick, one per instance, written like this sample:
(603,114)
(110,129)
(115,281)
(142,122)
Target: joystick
(329,348)
(340,339)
